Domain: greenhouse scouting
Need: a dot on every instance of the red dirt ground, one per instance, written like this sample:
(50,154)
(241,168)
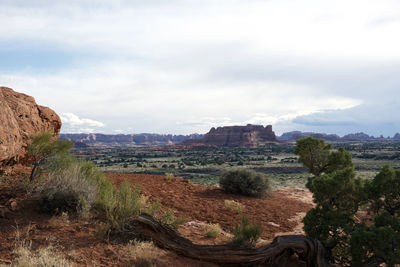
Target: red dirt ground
(76,239)
(206,203)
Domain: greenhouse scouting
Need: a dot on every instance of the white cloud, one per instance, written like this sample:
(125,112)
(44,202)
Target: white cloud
(73,120)
(183,66)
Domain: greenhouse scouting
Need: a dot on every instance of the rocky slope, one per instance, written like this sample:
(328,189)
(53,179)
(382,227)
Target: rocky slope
(237,136)
(20,118)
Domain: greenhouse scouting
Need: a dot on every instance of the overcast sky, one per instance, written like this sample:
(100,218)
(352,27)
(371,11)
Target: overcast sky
(184,66)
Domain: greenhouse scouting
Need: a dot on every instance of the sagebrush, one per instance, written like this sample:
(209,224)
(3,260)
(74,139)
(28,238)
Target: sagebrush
(67,190)
(245,182)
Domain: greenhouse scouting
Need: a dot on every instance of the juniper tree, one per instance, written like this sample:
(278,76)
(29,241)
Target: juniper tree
(43,147)
(339,197)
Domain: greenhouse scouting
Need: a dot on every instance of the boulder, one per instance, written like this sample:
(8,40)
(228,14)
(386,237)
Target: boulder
(20,119)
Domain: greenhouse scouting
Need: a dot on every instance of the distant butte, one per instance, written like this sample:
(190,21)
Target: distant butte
(236,136)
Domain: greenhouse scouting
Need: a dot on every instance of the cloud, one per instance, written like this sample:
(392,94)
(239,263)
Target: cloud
(367,117)
(185,66)
(74,120)
(72,123)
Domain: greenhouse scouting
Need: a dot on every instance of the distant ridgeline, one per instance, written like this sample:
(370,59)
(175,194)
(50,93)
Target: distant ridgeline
(228,136)
(127,139)
(362,137)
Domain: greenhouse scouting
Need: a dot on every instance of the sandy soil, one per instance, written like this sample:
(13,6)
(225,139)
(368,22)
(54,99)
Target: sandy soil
(76,239)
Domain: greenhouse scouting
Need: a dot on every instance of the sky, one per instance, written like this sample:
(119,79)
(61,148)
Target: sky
(184,66)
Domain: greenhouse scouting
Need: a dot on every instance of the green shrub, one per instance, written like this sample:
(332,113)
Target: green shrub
(120,206)
(213,231)
(245,182)
(340,196)
(67,190)
(44,147)
(168,217)
(179,221)
(246,233)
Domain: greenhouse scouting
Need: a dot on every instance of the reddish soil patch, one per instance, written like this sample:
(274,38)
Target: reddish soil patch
(77,241)
(206,203)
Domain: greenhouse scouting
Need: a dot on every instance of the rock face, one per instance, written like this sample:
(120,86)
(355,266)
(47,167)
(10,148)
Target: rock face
(237,136)
(20,118)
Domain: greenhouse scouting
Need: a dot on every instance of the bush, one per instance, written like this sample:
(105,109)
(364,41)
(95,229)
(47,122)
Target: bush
(246,233)
(67,190)
(245,182)
(120,206)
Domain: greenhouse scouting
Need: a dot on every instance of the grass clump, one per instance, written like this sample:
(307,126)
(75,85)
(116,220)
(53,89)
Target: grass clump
(145,253)
(123,205)
(213,231)
(25,256)
(67,190)
(43,257)
(245,182)
(169,176)
(168,217)
(233,205)
(246,233)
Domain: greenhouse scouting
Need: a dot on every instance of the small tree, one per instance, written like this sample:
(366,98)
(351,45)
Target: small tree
(317,156)
(44,146)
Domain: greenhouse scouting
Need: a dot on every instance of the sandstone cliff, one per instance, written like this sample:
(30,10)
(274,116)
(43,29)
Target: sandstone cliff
(237,136)
(20,118)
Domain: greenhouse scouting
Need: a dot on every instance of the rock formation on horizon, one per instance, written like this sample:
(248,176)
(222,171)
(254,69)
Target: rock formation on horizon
(295,135)
(20,118)
(237,136)
(98,139)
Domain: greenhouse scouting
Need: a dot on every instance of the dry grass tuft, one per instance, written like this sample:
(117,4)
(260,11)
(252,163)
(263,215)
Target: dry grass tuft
(43,257)
(233,205)
(145,253)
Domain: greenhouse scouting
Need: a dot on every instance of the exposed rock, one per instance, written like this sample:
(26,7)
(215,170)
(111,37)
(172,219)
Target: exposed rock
(357,137)
(396,136)
(295,135)
(20,118)
(361,137)
(127,139)
(237,136)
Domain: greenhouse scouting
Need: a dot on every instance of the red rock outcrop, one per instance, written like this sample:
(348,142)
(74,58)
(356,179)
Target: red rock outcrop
(20,118)
(237,136)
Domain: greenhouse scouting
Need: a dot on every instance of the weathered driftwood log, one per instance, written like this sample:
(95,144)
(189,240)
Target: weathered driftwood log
(308,250)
